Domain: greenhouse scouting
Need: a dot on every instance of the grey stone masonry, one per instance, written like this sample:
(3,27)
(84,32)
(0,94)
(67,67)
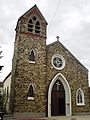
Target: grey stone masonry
(40,72)
(74,72)
(24,72)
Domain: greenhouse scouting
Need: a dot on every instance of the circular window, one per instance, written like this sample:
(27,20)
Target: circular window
(58,61)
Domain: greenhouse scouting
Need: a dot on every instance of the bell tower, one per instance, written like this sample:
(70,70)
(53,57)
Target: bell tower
(29,64)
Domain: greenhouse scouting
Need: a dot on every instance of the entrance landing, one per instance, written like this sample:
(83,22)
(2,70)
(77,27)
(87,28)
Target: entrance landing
(79,117)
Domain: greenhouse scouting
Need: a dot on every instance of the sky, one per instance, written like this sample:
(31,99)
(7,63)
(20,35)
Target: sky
(68,19)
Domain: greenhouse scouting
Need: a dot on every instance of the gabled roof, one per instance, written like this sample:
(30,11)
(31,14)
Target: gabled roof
(34,9)
(58,42)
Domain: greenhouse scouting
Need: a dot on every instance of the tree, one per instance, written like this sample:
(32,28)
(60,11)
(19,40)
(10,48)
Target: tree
(0,58)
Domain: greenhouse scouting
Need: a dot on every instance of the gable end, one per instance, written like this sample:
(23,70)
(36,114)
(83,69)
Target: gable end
(68,52)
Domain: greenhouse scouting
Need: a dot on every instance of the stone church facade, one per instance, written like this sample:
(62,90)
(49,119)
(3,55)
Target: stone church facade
(47,80)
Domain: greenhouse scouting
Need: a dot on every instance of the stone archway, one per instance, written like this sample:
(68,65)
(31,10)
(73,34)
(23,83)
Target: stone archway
(67,94)
(58,99)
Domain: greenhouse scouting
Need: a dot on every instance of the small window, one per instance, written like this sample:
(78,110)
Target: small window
(30,25)
(32,56)
(30,93)
(37,27)
(80,97)
(58,61)
(34,18)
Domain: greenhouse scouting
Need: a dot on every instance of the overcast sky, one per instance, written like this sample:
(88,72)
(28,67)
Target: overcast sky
(71,22)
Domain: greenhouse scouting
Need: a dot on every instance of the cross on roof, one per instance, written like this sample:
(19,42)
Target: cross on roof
(57,38)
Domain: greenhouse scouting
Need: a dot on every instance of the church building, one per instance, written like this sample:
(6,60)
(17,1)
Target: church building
(47,80)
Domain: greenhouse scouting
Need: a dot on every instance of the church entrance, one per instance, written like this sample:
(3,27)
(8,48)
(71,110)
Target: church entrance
(58,99)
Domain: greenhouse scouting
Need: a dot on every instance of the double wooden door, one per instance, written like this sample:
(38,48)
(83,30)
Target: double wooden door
(58,99)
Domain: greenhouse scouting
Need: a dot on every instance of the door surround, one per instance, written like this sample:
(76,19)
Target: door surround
(67,94)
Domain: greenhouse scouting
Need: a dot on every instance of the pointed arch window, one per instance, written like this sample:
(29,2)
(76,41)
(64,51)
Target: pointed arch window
(32,56)
(37,27)
(30,25)
(80,97)
(34,25)
(30,93)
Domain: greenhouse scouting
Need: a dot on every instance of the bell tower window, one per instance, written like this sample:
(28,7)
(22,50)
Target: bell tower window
(34,25)
(30,25)
(34,18)
(37,27)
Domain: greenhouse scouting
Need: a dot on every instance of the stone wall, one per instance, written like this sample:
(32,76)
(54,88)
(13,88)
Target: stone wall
(74,72)
(41,73)
(25,73)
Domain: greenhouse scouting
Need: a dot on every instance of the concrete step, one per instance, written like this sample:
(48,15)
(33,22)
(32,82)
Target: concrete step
(82,117)
(76,117)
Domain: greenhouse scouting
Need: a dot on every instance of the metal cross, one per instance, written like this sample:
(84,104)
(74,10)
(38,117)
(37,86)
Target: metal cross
(57,38)
(58,84)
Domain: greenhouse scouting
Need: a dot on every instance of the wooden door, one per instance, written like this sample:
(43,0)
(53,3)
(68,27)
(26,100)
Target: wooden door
(58,99)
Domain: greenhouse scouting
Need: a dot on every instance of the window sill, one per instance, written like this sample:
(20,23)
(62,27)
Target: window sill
(30,98)
(31,61)
(80,104)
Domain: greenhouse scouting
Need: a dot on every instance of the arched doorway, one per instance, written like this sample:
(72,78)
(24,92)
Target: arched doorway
(63,96)
(58,99)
